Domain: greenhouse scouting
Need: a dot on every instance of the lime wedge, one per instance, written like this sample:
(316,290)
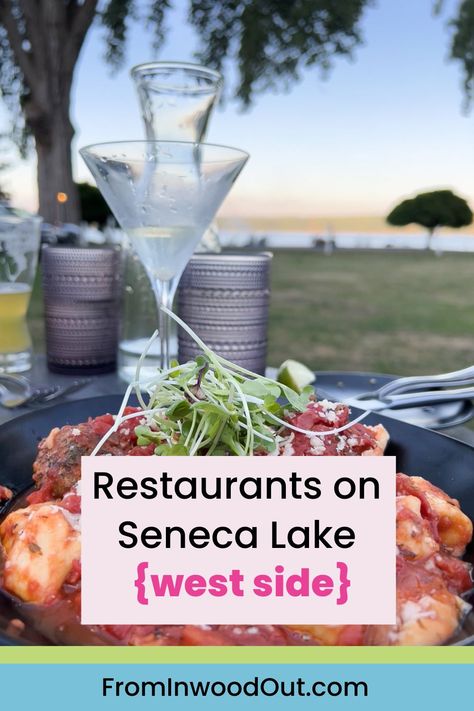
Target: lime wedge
(294,375)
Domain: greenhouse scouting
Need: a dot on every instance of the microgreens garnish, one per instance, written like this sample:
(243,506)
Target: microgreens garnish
(210,406)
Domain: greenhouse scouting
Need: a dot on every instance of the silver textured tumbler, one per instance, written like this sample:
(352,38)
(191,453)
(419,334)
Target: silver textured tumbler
(224,298)
(81,290)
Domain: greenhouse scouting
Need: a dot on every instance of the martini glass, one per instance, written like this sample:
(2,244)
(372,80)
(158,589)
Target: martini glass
(164,194)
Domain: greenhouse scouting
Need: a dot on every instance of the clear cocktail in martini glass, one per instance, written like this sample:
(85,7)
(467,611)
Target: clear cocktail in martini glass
(164,194)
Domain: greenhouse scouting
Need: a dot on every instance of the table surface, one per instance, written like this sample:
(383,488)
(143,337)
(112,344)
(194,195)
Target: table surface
(107,384)
(112,384)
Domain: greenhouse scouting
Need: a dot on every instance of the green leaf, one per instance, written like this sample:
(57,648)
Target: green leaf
(265,445)
(261,388)
(179,410)
(174,373)
(201,361)
(229,438)
(214,425)
(293,399)
(209,408)
(145,435)
(271,405)
(172,450)
(220,452)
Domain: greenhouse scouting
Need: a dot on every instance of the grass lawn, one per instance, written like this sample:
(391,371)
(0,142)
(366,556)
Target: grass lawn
(393,312)
(384,311)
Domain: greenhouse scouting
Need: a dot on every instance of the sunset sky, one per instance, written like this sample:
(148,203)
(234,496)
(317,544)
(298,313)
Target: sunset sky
(378,128)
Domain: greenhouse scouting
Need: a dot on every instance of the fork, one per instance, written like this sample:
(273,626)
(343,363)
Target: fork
(62,390)
(418,391)
(32,395)
(456,378)
(394,401)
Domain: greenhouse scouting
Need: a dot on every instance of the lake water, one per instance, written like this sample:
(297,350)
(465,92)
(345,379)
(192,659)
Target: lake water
(446,242)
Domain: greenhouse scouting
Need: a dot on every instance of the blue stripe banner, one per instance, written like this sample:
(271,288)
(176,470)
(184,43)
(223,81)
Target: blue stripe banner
(235,686)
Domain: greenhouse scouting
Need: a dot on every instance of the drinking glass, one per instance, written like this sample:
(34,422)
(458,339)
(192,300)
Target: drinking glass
(224,298)
(138,319)
(19,246)
(81,289)
(176,99)
(164,194)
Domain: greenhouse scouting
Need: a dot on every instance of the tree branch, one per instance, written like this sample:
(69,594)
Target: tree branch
(34,23)
(16,43)
(82,17)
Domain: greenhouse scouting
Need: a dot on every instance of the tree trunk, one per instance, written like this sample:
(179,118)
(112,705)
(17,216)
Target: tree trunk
(430,238)
(53,149)
(55,32)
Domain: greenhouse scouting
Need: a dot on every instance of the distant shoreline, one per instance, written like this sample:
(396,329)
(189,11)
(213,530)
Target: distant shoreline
(249,238)
(326,225)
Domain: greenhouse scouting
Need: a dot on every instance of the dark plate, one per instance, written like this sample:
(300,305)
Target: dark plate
(446,462)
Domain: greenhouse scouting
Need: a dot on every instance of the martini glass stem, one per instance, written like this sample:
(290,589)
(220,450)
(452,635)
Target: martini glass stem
(164,297)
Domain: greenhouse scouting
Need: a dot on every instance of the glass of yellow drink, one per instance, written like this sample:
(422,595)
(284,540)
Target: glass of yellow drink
(19,246)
